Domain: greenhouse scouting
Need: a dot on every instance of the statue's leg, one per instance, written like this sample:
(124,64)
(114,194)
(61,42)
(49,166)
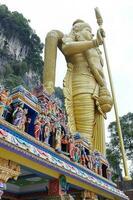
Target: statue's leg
(84,108)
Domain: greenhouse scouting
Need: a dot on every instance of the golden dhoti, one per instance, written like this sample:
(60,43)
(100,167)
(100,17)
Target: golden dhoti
(83,117)
(83,87)
(80,106)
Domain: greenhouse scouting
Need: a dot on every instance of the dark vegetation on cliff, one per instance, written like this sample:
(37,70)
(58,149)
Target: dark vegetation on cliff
(20,51)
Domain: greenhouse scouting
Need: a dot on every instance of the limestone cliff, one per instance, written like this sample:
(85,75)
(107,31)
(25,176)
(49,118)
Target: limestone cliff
(11,49)
(20,50)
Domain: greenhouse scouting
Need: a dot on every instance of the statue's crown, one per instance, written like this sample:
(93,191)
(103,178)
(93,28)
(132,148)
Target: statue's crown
(78,21)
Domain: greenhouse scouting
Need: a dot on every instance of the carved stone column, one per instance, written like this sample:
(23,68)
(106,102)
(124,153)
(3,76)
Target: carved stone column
(58,189)
(54,192)
(8,169)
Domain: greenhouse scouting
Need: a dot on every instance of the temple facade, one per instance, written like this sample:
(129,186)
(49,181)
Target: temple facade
(41,159)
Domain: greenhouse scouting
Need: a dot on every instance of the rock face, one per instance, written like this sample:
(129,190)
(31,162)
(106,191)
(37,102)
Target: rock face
(11,49)
(21,62)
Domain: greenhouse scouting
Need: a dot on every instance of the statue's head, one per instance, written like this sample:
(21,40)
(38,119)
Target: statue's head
(79,24)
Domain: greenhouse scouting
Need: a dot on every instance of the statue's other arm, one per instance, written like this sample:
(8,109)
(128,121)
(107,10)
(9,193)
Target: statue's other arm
(98,74)
(74,47)
(70,46)
(53,39)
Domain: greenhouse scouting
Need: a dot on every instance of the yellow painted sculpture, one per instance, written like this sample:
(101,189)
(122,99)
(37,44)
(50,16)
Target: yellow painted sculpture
(8,169)
(87,98)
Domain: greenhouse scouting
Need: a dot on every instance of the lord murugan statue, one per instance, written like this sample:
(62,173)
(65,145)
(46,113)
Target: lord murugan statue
(87,98)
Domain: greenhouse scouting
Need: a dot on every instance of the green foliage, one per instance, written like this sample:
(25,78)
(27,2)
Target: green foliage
(113,148)
(12,81)
(34,59)
(7,70)
(3,10)
(19,68)
(15,25)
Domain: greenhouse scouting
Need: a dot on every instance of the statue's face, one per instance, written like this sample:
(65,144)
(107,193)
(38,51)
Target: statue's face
(82,31)
(86,33)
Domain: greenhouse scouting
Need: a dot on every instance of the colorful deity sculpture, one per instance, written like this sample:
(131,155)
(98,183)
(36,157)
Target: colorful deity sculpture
(83,156)
(24,119)
(58,138)
(37,128)
(97,165)
(77,154)
(18,115)
(71,147)
(46,132)
(5,101)
(90,161)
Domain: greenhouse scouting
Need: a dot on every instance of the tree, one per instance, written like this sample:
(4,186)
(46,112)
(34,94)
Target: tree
(113,148)
(113,156)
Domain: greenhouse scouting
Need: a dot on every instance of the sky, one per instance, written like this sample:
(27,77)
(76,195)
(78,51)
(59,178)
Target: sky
(46,15)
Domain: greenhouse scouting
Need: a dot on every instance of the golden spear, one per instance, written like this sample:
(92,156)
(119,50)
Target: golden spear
(100,23)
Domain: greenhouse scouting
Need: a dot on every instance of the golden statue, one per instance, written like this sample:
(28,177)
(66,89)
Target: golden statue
(87,98)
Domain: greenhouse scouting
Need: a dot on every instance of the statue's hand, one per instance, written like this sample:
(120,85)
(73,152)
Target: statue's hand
(102,32)
(100,36)
(49,86)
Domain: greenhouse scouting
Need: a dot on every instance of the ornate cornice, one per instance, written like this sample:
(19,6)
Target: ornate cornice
(27,101)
